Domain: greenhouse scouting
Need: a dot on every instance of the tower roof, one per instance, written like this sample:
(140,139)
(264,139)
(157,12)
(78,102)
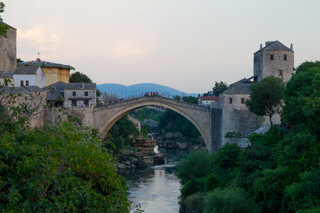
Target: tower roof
(274,46)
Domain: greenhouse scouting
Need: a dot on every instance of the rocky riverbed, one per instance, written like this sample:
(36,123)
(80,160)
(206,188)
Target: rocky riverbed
(142,155)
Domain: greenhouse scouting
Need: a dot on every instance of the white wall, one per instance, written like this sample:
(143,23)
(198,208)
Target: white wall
(20,77)
(40,80)
(37,79)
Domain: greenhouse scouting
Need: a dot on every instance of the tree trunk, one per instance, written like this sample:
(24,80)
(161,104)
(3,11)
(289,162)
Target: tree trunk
(270,116)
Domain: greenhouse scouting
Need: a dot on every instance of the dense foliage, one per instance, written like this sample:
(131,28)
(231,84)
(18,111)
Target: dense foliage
(58,168)
(120,133)
(280,172)
(189,99)
(146,113)
(171,121)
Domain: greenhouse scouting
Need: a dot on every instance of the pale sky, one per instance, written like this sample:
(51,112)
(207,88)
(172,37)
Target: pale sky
(187,45)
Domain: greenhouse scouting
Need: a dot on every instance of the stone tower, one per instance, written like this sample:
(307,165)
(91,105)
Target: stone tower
(8,50)
(275,59)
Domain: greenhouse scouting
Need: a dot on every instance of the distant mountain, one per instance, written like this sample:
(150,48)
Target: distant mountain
(138,89)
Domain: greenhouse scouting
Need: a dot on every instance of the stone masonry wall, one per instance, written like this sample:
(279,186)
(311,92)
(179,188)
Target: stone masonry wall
(264,67)
(84,114)
(8,51)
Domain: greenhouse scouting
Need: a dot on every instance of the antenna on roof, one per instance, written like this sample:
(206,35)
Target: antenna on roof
(38,59)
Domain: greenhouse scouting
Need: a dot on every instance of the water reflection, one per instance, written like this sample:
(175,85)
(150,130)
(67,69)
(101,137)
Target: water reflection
(156,188)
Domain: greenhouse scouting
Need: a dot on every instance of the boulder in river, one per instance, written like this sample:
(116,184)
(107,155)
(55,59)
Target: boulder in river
(178,135)
(183,146)
(168,135)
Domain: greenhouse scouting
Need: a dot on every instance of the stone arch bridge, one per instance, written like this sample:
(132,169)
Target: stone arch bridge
(107,115)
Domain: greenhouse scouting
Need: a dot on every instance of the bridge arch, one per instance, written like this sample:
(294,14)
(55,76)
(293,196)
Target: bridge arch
(106,116)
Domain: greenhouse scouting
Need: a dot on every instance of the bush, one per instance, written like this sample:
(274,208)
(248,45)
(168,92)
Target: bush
(212,182)
(119,142)
(59,168)
(194,165)
(229,200)
(193,186)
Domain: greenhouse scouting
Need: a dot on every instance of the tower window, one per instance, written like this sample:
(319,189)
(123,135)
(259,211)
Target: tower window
(271,57)
(242,100)
(285,57)
(280,72)
(230,100)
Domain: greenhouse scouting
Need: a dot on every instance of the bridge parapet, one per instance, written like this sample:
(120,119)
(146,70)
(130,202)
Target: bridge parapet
(153,99)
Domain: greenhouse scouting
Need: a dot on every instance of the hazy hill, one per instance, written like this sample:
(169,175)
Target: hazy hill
(138,89)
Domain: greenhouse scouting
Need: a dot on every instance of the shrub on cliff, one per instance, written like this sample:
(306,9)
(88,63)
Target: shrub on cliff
(229,200)
(194,165)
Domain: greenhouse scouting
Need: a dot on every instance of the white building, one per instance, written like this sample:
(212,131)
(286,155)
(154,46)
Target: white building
(206,100)
(29,76)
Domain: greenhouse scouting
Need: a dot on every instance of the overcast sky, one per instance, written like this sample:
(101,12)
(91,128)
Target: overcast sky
(187,45)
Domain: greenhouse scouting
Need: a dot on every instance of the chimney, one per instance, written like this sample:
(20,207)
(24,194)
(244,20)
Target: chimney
(291,47)
(260,46)
(38,60)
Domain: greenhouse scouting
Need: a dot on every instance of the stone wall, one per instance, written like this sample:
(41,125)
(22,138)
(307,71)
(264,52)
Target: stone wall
(216,128)
(264,67)
(242,121)
(8,51)
(84,114)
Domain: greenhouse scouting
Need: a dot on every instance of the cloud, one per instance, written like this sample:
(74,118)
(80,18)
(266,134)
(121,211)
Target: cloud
(39,38)
(127,49)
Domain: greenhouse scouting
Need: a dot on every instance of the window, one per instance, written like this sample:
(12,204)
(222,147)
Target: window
(21,83)
(230,100)
(27,83)
(86,102)
(85,93)
(242,100)
(271,57)
(280,72)
(74,93)
(74,102)
(285,57)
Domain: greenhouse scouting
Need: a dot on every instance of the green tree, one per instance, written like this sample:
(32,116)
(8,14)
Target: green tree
(266,97)
(79,77)
(304,194)
(120,133)
(219,88)
(59,168)
(229,200)
(174,122)
(190,99)
(3,27)
(194,165)
(302,97)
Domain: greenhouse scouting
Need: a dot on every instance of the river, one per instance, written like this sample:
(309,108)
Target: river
(156,188)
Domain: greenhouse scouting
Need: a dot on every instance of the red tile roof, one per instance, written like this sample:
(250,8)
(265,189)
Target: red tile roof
(210,98)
